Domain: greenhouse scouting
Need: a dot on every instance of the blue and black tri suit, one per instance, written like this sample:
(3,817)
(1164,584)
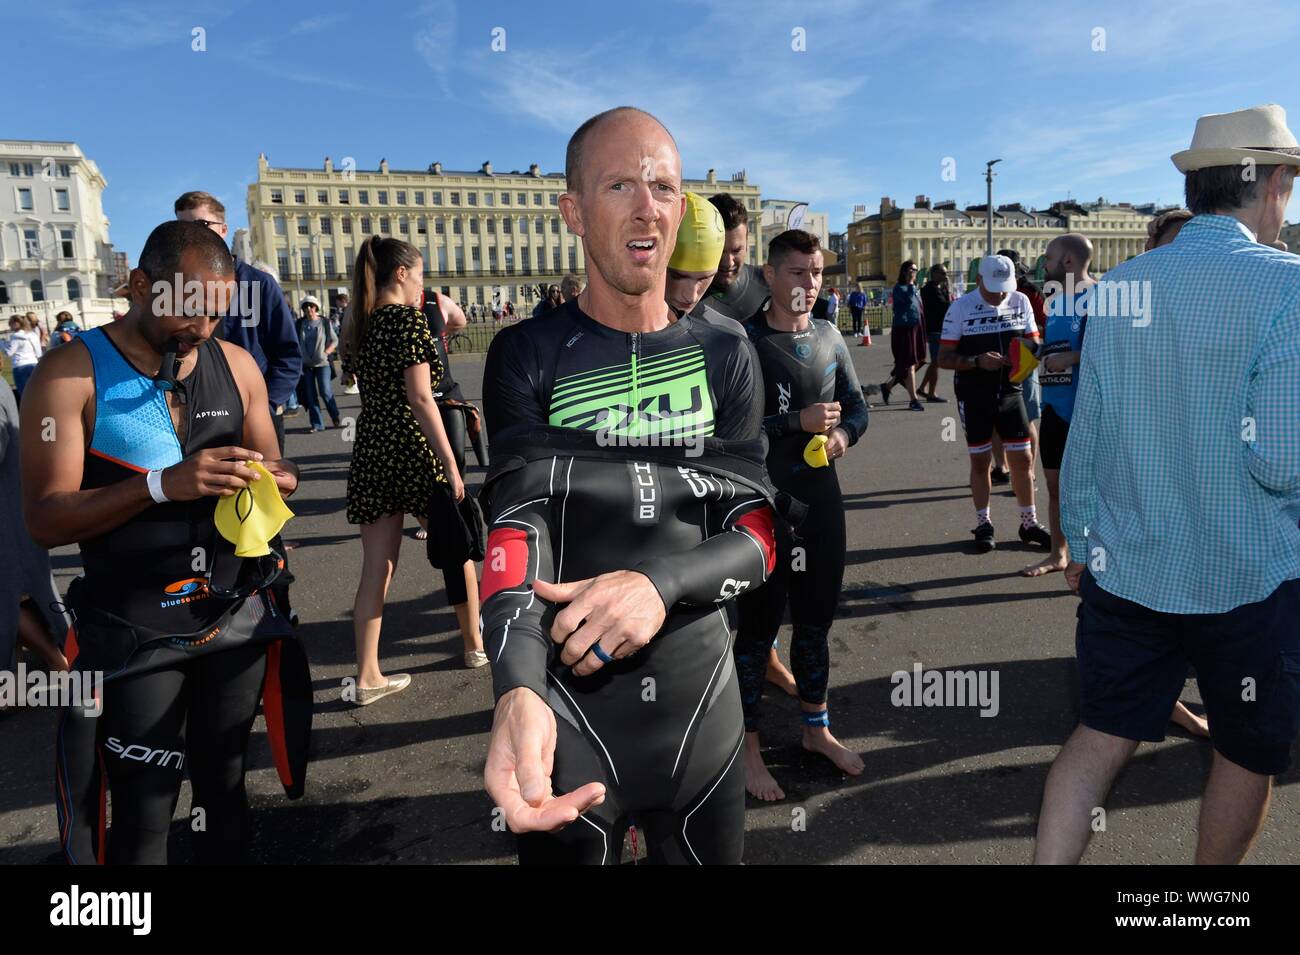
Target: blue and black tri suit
(184,666)
(799,369)
(639,451)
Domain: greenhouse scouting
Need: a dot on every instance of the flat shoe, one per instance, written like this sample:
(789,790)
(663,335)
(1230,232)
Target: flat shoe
(396,683)
(475,659)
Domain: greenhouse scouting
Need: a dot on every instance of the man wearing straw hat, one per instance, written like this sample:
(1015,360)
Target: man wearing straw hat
(1180,495)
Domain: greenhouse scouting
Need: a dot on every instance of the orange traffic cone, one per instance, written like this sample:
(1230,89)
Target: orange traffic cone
(866,336)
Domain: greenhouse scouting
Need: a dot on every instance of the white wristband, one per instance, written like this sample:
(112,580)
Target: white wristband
(154,479)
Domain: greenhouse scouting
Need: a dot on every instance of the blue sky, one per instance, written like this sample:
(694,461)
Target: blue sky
(882,94)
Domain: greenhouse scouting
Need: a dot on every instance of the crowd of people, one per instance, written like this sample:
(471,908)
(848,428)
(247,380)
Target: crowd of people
(662,487)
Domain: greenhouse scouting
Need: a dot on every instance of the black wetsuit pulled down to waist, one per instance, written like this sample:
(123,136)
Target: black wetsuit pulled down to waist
(185,661)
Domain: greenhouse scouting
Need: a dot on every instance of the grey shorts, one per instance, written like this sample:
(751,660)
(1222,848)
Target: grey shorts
(1033,394)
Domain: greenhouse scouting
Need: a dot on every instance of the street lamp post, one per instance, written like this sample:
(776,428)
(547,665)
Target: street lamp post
(988,177)
(40,261)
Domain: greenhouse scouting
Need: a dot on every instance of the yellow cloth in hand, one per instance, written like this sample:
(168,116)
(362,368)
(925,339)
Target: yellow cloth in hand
(814,452)
(250,518)
(1023,362)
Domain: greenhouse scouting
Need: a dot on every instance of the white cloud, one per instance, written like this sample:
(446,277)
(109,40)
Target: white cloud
(316,24)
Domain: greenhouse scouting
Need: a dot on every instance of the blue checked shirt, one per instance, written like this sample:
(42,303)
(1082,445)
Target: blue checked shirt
(1180,488)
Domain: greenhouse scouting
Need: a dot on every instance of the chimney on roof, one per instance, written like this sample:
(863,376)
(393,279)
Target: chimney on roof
(486,168)
(922,202)
(886,205)
(535,170)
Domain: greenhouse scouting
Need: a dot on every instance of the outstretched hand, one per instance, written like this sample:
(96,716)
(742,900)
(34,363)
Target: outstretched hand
(517,776)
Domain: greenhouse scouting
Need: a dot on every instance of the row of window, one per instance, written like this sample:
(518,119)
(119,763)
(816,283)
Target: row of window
(62,170)
(303,226)
(38,290)
(62,200)
(307,264)
(66,248)
(435,197)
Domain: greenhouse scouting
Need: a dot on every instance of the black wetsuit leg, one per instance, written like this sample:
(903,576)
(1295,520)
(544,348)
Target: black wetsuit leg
(595,838)
(815,591)
(704,823)
(761,612)
(157,724)
(223,692)
(453,422)
(142,738)
(809,573)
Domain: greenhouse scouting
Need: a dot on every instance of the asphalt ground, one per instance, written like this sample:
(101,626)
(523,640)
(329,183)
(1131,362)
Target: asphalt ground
(401,781)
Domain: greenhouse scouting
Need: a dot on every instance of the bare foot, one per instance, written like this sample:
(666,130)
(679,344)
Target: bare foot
(1196,725)
(818,739)
(759,783)
(778,675)
(1048,565)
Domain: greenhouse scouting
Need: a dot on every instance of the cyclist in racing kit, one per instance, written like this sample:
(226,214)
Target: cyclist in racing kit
(627,483)
(811,394)
(979,332)
(155,420)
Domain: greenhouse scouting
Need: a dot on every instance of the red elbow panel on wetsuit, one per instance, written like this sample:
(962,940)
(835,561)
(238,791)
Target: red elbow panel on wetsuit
(760,526)
(506,564)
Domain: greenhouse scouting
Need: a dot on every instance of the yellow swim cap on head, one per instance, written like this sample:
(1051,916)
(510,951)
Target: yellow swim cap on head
(700,238)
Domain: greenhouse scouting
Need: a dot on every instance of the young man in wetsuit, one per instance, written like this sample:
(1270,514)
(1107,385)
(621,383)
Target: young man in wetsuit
(140,456)
(810,389)
(627,468)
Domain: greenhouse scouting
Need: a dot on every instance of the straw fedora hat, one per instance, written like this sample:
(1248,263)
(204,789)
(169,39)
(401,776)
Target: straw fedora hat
(1225,139)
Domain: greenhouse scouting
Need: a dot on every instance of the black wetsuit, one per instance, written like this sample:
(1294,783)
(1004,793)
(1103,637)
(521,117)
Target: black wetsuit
(177,706)
(799,369)
(742,297)
(568,498)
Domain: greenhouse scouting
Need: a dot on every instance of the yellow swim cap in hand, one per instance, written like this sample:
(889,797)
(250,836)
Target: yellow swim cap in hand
(250,518)
(814,452)
(700,237)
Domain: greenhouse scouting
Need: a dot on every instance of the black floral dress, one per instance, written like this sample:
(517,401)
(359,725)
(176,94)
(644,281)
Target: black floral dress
(393,466)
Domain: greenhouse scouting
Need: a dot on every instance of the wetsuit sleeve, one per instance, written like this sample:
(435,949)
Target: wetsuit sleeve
(518,553)
(1078,467)
(738,556)
(1273,405)
(512,392)
(853,407)
(740,408)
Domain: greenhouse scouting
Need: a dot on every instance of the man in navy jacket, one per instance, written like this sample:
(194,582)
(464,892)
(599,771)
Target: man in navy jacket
(260,320)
